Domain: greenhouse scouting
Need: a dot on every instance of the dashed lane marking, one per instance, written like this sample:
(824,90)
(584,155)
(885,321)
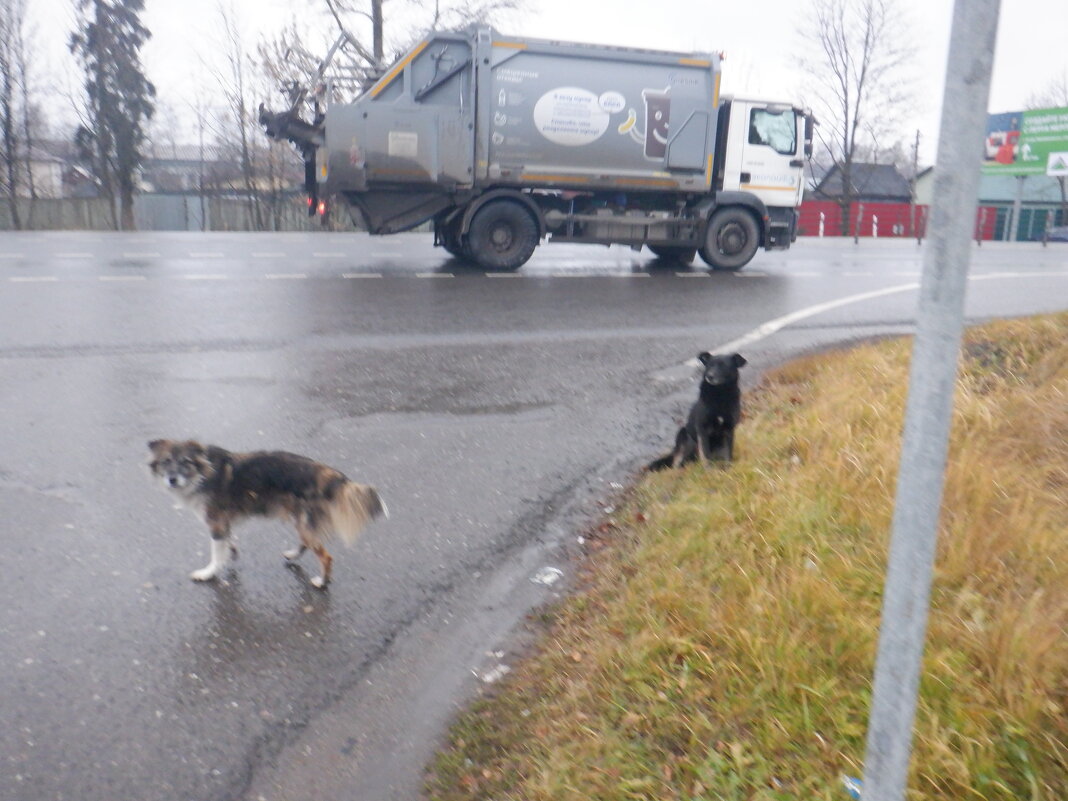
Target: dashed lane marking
(285,276)
(32,279)
(121,278)
(361,275)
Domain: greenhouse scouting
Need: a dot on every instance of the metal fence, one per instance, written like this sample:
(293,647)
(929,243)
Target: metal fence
(173,212)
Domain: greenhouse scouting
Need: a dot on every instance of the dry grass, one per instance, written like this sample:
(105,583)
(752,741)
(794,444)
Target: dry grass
(724,644)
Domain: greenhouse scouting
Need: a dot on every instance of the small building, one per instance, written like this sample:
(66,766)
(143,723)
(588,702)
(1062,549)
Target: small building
(882,204)
(1041,198)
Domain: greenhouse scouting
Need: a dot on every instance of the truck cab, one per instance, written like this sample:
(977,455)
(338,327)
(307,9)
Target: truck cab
(761,153)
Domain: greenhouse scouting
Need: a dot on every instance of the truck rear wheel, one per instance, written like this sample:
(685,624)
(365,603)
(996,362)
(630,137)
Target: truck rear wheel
(731,239)
(502,236)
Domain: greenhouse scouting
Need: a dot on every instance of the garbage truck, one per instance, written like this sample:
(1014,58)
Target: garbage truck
(502,141)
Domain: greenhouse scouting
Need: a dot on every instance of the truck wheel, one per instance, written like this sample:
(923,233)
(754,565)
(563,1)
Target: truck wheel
(731,239)
(681,255)
(502,236)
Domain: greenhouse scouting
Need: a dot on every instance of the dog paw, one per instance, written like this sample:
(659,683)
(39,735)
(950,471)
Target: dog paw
(318,582)
(292,553)
(204,574)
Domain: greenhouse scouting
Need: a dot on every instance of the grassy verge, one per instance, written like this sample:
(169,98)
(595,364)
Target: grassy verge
(723,642)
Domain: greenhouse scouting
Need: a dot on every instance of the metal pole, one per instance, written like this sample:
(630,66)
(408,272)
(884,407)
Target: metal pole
(940,322)
(1017,209)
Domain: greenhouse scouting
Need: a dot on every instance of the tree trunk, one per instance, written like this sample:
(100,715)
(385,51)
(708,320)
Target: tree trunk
(377,34)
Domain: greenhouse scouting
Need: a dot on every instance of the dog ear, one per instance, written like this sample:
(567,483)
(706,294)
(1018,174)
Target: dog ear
(156,444)
(704,357)
(739,360)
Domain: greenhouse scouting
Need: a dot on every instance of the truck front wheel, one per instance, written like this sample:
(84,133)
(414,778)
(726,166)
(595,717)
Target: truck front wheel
(502,236)
(731,239)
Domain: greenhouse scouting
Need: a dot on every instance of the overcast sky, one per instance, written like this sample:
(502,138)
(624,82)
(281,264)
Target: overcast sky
(759,38)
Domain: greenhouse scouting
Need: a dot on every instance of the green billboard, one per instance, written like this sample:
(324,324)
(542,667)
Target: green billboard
(1031,142)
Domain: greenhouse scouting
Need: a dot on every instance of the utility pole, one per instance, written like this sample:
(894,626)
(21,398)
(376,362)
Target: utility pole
(940,323)
(915,180)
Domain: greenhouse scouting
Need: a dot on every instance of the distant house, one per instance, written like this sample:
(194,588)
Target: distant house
(45,176)
(881,204)
(871,183)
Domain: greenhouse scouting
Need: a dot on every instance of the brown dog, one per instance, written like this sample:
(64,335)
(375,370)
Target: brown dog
(226,488)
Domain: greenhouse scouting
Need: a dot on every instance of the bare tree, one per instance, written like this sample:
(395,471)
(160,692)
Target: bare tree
(857,53)
(14,102)
(235,84)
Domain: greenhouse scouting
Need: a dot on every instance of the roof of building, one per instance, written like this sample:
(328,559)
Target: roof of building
(870,181)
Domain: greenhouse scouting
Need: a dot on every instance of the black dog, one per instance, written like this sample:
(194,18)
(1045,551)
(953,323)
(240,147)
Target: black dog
(709,431)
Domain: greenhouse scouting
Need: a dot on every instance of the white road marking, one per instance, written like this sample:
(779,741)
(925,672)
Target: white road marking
(329,255)
(202,277)
(771,326)
(10,256)
(117,278)
(503,275)
(212,255)
(285,276)
(272,255)
(434,275)
(361,275)
(751,274)
(74,255)
(32,279)
(692,275)
(140,255)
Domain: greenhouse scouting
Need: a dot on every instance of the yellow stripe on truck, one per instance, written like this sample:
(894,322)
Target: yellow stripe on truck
(387,79)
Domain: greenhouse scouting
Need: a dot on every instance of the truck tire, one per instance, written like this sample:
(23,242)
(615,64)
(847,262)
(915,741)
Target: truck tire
(502,236)
(731,239)
(674,253)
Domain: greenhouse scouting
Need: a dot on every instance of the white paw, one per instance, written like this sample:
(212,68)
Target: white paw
(292,553)
(205,574)
(318,583)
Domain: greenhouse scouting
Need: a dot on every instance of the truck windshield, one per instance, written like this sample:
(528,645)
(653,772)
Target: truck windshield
(776,129)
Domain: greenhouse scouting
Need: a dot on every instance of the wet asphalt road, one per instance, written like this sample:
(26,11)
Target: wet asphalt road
(496,414)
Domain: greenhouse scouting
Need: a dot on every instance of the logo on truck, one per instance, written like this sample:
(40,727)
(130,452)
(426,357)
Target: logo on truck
(573,117)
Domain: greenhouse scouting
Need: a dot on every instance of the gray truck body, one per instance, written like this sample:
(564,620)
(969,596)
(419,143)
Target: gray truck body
(592,143)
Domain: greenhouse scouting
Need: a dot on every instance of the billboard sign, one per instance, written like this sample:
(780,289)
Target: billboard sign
(1031,142)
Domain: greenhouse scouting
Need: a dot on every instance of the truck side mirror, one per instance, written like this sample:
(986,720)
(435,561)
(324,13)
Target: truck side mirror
(810,124)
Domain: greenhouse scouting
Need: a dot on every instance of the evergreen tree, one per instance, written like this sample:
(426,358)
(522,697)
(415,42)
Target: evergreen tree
(119,98)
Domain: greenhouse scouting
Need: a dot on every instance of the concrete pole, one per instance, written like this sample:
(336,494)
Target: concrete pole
(928,412)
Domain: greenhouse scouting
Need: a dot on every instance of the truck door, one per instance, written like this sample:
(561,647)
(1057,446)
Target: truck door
(765,152)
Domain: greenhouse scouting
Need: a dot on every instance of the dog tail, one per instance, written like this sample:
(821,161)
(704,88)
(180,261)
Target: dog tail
(663,463)
(353,507)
